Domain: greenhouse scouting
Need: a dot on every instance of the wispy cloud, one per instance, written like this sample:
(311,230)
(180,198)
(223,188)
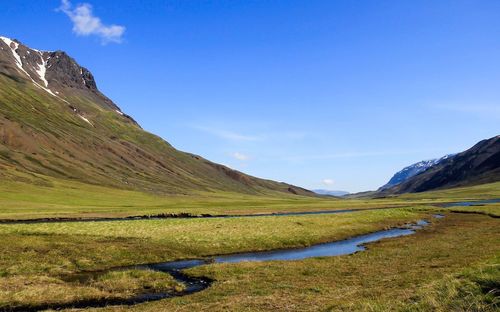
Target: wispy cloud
(240,156)
(272,135)
(86,24)
(228,135)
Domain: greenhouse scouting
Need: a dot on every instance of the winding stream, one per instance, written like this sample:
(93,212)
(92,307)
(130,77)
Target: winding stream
(197,284)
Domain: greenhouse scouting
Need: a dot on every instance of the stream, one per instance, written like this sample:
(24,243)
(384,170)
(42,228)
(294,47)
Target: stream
(197,284)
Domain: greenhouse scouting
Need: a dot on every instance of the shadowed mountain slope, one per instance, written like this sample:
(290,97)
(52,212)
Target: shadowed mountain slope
(477,165)
(412,170)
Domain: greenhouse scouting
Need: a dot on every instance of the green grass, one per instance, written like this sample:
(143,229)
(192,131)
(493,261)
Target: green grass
(188,238)
(43,289)
(392,275)
(52,197)
(433,270)
(402,274)
(451,266)
(492,210)
(45,253)
(74,199)
(474,289)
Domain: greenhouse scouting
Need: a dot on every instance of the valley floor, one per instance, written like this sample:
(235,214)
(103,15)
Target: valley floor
(451,265)
(71,199)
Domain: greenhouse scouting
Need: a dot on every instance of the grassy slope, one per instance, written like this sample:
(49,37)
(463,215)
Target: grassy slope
(42,134)
(477,165)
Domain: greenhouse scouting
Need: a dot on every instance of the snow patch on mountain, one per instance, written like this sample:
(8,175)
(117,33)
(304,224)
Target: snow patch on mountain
(57,69)
(17,57)
(42,69)
(86,120)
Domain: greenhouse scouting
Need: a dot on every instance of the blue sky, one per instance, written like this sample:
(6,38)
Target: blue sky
(322,94)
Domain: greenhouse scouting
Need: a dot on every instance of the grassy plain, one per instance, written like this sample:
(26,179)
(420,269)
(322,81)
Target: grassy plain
(492,210)
(451,265)
(37,256)
(62,198)
(188,238)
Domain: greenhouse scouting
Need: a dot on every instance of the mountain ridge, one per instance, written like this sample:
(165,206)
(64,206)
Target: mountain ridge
(477,165)
(412,170)
(55,122)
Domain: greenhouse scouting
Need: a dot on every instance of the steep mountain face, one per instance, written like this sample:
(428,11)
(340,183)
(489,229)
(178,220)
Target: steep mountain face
(477,165)
(55,122)
(412,170)
(41,67)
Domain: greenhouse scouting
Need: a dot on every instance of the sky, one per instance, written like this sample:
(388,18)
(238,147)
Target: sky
(333,94)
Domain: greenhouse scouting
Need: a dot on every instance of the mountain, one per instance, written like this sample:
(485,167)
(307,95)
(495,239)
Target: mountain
(477,165)
(331,193)
(55,122)
(412,170)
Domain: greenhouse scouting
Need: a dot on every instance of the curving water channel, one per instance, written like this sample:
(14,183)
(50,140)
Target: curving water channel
(197,284)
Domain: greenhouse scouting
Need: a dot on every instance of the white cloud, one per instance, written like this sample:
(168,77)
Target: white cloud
(86,24)
(240,156)
(328,182)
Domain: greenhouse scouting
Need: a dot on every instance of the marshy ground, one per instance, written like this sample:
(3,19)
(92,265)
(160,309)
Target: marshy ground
(453,264)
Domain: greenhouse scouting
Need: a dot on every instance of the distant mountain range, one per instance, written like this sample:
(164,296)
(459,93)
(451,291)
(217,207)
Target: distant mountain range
(54,122)
(331,193)
(477,165)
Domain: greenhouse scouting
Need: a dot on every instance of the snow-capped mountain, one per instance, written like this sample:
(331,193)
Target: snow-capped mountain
(413,170)
(479,164)
(54,72)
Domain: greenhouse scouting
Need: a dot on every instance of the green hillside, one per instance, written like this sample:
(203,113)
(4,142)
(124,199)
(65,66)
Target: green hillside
(75,133)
